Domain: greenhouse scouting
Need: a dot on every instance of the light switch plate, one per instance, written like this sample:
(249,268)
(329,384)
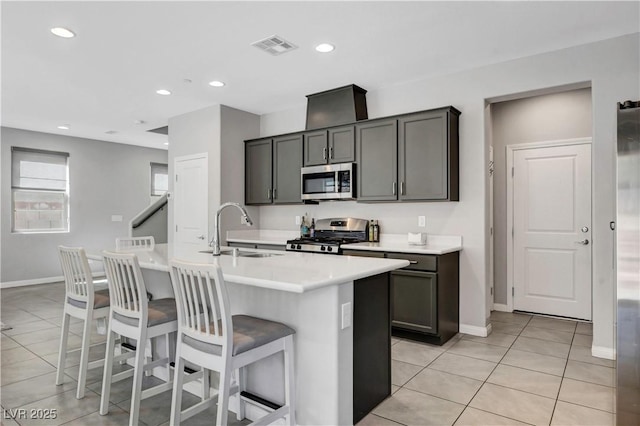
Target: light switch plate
(298,220)
(346,315)
(422,221)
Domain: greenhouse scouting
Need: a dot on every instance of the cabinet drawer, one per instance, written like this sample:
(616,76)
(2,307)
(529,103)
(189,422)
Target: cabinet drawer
(363,253)
(419,262)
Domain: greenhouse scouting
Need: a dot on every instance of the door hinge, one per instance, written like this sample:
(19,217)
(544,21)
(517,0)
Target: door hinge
(492,291)
(512,171)
(176,178)
(513,291)
(176,228)
(491,230)
(512,232)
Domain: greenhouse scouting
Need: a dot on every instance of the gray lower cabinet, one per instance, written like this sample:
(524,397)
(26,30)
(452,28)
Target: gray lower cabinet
(261,246)
(287,161)
(335,145)
(377,160)
(424,295)
(428,156)
(272,170)
(258,171)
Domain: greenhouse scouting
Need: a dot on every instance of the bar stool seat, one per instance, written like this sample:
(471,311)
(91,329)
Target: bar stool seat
(100,300)
(209,337)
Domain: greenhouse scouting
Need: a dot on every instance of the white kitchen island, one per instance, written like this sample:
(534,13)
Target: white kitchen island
(312,293)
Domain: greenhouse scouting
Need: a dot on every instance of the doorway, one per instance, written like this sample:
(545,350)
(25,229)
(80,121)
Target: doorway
(191,195)
(549,214)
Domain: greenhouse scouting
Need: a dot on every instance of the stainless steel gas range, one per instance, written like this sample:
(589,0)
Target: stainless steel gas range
(330,235)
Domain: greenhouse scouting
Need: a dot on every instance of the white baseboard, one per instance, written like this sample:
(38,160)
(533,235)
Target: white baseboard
(36,281)
(501,307)
(475,330)
(603,352)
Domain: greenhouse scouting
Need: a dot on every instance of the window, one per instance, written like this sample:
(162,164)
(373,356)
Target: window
(39,190)
(159,179)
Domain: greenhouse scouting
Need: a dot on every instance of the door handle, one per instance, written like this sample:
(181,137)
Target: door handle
(201,237)
(324,153)
(402,188)
(274,194)
(394,187)
(331,153)
(269,194)
(583,242)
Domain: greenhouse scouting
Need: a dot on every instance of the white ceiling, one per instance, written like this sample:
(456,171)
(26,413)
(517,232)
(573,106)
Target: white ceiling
(105,78)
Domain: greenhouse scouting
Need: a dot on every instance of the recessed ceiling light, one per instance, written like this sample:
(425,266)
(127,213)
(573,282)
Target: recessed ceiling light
(138,122)
(163,92)
(166,143)
(216,83)
(63,32)
(325,47)
(63,127)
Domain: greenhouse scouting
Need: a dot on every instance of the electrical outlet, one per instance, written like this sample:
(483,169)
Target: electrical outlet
(298,220)
(422,221)
(346,315)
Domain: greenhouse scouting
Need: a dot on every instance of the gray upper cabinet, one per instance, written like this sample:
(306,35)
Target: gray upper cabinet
(377,160)
(428,156)
(287,161)
(335,145)
(258,172)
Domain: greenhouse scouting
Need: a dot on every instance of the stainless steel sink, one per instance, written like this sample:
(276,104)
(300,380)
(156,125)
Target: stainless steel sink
(241,253)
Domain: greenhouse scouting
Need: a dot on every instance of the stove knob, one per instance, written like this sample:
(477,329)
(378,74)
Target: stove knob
(293,246)
(299,247)
(329,248)
(323,248)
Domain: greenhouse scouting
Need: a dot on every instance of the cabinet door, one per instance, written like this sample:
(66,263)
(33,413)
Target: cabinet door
(315,148)
(342,146)
(423,158)
(377,160)
(258,172)
(414,301)
(287,161)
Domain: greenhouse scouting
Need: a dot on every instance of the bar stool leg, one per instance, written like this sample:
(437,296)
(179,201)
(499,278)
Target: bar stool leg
(108,370)
(84,355)
(138,375)
(176,398)
(206,386)
(223,395)
(290,379)
(241,387)
(62,353)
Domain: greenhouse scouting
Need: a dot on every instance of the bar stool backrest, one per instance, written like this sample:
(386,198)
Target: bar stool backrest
(126,284)
(202,303)
(77,274)
(133,243)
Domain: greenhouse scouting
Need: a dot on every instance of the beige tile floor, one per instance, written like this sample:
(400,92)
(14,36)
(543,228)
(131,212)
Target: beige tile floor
(530,370)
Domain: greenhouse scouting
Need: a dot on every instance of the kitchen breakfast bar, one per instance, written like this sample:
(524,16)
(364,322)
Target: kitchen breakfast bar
(338,305)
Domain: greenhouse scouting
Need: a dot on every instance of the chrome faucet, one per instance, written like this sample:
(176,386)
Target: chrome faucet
(215,241)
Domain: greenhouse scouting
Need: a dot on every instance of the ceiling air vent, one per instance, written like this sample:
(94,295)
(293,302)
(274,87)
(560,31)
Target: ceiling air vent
(274,45)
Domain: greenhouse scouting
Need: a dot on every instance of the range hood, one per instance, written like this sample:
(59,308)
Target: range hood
(336,106)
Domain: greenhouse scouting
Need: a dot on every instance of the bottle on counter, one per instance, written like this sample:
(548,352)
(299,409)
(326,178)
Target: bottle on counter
(312,228)
(371,230)
(304,228)
(376,231)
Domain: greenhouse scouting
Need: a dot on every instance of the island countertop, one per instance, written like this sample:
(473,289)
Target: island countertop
(284,271)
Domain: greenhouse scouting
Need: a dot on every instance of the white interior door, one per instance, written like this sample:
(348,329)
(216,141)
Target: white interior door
(191,195)
(551,196)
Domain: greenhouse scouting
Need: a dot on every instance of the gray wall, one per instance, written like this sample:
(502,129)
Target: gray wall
(565,115)
(220,131)
(105,179)
(611,67)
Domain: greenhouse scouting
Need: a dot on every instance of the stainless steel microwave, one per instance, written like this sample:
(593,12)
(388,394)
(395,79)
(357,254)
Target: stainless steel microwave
(330,182)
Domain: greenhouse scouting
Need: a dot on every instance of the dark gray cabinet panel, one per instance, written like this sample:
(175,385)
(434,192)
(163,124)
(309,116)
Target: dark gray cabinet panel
(377,160)
(315,148)
(414,301)
(342,145)
(423,160)
(335,145)
(258,172)
(287,161)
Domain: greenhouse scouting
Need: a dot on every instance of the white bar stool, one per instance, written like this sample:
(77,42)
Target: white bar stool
(133,316)
(211,338)
(82,302)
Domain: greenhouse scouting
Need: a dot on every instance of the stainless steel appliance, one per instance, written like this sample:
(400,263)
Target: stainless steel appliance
(628,265)
(330,182)
(331,234)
